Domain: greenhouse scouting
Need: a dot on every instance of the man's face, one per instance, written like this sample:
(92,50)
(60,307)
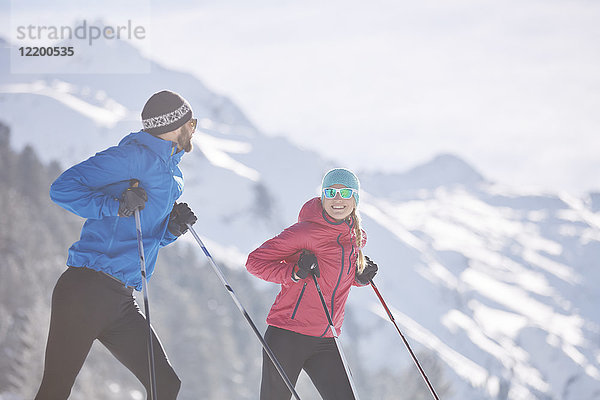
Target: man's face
(184,140)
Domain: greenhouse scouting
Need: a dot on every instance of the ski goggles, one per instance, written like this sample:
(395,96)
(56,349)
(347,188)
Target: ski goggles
(345,193)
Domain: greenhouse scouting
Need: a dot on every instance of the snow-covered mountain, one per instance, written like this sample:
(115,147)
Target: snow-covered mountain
(498,283)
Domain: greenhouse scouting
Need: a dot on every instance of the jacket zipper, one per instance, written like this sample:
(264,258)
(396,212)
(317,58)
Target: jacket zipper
(343,258)
(298,302)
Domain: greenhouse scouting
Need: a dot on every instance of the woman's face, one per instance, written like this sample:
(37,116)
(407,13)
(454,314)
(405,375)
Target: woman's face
(338,208)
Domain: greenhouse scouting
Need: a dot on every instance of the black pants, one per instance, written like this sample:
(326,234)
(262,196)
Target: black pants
(88,305)
(319,357)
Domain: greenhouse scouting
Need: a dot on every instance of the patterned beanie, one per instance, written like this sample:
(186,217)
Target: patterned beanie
(165,111)
(341,176)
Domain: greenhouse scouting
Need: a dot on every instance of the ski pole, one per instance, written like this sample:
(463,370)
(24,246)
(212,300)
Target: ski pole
(336,339)
(412,354)
(138,228)
(243,311)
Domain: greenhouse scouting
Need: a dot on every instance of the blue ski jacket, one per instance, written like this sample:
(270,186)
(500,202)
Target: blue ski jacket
(92,188)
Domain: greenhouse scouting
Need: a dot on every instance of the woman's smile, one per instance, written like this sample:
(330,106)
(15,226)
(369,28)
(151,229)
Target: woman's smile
(339,208)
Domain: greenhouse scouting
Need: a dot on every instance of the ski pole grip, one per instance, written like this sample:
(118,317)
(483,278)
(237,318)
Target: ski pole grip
(133,183)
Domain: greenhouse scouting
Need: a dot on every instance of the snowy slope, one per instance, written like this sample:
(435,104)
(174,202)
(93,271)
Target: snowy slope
(506,280)
(499,284)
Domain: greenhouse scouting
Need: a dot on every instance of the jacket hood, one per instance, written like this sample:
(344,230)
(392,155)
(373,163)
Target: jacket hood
(163,148)
(312,211)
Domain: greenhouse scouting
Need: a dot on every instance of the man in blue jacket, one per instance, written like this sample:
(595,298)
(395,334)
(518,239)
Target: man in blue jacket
(93,299)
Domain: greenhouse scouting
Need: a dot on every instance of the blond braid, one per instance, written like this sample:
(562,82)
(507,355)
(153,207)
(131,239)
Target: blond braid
(360,261)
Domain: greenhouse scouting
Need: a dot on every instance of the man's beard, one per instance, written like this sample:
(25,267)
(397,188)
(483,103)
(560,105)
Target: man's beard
(184,140)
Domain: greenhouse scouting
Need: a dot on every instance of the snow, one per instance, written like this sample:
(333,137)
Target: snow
(514,359)
(464,367)
(216,149)
(106,116)
(509,284)
(496,323)
(557,269)
(378,212)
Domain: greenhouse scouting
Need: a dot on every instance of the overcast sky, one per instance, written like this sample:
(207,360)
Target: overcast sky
(512,87)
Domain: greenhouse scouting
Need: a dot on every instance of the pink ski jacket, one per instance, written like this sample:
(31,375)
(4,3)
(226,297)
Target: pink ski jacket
(297,307)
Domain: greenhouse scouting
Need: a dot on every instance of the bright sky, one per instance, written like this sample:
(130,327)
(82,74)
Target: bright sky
(512,87)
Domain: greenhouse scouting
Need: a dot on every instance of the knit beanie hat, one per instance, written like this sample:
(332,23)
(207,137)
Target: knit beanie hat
(165,111)
(341,176)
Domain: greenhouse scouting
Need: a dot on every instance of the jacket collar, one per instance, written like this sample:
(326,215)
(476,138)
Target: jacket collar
(165,149)
(312,211)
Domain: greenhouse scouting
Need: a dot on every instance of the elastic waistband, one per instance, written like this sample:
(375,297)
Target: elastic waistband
(104,274)
(113,278)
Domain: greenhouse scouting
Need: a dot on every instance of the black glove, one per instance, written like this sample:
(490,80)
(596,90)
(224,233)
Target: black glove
(132,198)
(307,264)
(368,273)
(181,216)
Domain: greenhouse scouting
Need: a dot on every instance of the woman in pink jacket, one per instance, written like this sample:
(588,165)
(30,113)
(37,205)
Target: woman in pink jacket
(327,235)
